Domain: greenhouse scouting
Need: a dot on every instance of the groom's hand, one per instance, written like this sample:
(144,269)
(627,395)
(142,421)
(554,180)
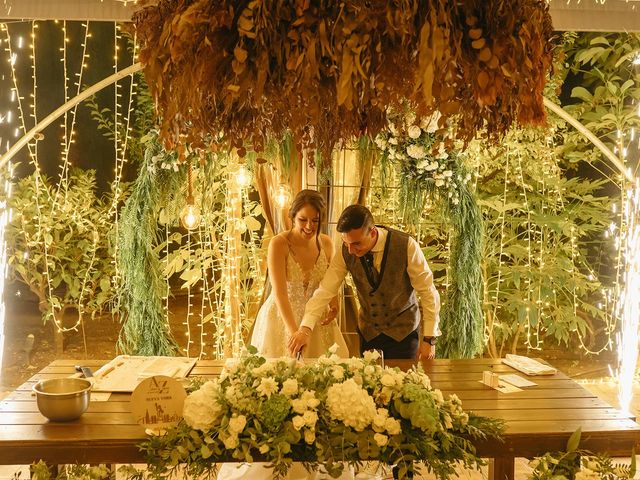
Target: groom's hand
(299,340)
(426,351)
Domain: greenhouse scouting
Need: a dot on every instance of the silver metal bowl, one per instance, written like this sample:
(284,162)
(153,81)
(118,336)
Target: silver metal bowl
(63,399)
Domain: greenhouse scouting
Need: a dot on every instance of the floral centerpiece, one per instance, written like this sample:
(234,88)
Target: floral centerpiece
(328,413)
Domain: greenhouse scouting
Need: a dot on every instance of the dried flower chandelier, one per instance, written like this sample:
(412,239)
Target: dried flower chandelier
(328,71)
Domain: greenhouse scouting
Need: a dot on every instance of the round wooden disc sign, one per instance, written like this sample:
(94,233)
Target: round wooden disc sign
(157,403)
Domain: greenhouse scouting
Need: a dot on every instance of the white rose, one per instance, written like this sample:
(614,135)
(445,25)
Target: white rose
(371,355)
(298,422)
(431,166)
(264,448)
(231,442)
(309,436)
(337,372)
(310,418)
(416,151)
(237,424)
(414,131)
(392,426)
(387,380)
(380,439)
(289,387)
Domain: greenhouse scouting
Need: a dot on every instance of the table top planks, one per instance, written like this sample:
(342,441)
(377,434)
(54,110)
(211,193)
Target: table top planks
(538,419)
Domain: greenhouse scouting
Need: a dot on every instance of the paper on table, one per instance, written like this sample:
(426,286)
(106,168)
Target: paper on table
(125,372)
(528,365)
(517,380)
(504,387)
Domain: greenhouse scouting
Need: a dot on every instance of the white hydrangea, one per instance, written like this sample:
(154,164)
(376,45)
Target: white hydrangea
(201,411)
(268,386)
(351,404)
(289,387)
(414,131)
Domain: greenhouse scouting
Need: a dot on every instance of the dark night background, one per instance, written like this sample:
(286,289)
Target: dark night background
(91,148)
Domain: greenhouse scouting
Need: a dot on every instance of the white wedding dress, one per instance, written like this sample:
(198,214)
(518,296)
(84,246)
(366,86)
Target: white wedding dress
(269,333)
(270,338)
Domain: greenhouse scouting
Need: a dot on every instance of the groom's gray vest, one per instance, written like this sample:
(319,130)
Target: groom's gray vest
(392,308)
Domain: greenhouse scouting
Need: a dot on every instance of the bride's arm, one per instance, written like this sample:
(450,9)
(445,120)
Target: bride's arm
(277,261)
(327,245)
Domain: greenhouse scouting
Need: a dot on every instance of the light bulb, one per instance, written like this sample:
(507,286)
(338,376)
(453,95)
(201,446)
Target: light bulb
(190,216)
(243,177)
(282,197)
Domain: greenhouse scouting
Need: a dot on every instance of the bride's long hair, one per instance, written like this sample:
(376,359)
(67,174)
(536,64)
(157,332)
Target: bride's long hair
(308,197)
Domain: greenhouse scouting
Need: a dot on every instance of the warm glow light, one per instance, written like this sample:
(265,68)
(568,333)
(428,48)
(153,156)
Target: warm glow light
(243,177)
(629,301)
(190,217)
(282,196)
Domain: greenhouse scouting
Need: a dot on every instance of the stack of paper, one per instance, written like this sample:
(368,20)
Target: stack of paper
(528,365)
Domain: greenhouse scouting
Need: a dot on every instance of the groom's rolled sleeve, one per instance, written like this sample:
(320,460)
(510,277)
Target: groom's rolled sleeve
(328,288)
(422,281)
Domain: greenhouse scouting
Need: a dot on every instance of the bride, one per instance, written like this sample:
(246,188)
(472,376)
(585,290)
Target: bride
(297,261)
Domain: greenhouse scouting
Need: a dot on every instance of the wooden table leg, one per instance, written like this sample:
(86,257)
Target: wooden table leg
(501,468)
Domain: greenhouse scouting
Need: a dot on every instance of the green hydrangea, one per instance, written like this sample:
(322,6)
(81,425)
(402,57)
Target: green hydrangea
(274,411)
(416,404)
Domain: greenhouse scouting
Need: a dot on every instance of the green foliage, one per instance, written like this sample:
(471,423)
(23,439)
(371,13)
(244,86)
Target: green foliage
(154,247)
(145,326)
(538,270)
(60,243)
(605,99)
(579,464)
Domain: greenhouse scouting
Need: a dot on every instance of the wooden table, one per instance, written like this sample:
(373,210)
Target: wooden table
(539,419)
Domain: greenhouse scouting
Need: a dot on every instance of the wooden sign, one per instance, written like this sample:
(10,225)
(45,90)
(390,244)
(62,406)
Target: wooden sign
(157,403)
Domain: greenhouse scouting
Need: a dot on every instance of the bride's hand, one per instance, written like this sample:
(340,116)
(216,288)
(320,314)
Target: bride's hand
(299,340)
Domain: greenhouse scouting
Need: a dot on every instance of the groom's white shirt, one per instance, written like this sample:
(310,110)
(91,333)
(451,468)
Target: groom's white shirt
(419,272)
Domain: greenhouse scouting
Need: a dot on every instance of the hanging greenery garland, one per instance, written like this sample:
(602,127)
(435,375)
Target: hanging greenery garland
(145,328)
(429,172)
(328,71)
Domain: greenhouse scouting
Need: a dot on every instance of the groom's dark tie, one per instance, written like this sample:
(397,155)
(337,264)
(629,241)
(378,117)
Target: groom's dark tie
(370,269)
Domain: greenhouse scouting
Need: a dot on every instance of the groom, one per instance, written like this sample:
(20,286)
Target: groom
(388,269)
